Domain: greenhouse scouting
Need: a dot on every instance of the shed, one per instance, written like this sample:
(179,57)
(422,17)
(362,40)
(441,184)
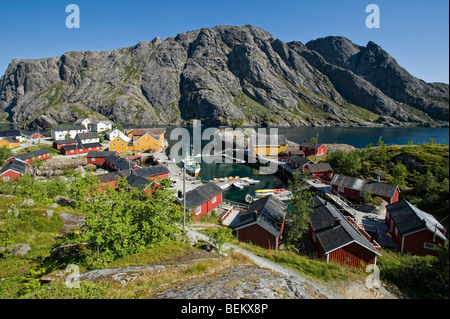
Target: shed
(202,200)
(298,162)
(263,222)
(312,148)
(29,157)
(320,170)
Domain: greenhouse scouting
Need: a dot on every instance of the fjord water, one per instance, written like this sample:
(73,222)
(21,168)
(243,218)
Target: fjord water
(358,137)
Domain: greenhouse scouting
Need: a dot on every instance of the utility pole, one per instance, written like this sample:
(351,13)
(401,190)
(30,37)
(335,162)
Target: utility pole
(184,198)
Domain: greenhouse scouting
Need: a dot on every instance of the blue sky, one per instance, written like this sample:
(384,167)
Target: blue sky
(414,32)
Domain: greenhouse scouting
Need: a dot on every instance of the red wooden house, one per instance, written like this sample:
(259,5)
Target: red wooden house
(298,162)
(356,188)
(337,239)
(154,173)
(80,148)
(263,222)
(61,143)
(99,157)
(414,231)
(202,200)
(117,163)
(13,169)
(32,156)
(320,170)
(311,148)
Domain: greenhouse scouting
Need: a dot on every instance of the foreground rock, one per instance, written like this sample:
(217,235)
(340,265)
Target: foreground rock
(241,282)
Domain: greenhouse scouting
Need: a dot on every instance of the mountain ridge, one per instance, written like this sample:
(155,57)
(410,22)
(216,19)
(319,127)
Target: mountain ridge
(225,75)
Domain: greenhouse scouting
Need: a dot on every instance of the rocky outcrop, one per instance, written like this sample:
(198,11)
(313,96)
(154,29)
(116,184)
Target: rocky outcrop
(223,75)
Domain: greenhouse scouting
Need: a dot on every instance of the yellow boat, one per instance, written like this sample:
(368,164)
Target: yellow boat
(265,191)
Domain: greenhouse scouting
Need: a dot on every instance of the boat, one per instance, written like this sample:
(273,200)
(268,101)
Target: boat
(191,166)
(238,185)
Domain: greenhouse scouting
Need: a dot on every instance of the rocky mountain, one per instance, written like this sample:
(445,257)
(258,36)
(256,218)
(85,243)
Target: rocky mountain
(223,75)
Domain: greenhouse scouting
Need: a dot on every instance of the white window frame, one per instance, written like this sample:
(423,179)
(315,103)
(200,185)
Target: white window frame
(429,246)
(214,199)
(198,210)
(341,189)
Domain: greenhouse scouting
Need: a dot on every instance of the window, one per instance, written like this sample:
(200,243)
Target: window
(93,159)
(340,189)
(6,178)
(396,231)
(198,210)
(214,199)
(429,246)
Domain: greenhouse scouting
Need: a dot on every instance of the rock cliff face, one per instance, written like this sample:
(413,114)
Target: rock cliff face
(223,75)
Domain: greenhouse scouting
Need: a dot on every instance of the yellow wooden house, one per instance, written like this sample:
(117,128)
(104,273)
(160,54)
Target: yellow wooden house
(265,145)
(144,140)
(9,142)
(120,143)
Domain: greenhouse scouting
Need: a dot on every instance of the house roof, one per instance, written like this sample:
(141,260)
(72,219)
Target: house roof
(69,141)
(330,234)
(299,160)
(120,162)
(10,133)
(319,167)
(150,131)
(14,165)
(310,144)
(100,154)
(377,188)
(138,181)
(125,138)
(149,171)
(200,195)
(112,176)
(9,139)
(69,128)
(409,219)
(267,212)
(31,154)
(88,135)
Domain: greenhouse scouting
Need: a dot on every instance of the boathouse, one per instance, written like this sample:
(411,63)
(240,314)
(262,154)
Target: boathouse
(336,239)
(415,231)
(356,188)
(320,170)
(263,222)
(202,200)
(312,148)
(298,162)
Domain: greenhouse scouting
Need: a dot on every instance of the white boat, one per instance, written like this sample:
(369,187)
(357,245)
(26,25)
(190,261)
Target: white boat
(238,185)
(191,166)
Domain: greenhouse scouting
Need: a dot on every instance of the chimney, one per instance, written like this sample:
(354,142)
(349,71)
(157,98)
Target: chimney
(378,178)
(180,193)
(337,221)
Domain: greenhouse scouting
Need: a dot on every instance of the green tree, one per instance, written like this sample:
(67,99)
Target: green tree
(348,163)
(124,220)
(301,206)
(399,174)
(220,235)
(5,153)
